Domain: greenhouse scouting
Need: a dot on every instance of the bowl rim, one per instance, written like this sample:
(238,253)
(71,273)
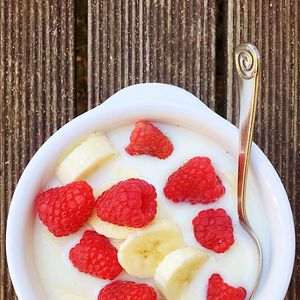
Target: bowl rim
(142,99)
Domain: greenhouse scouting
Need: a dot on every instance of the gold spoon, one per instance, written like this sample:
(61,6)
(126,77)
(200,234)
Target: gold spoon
(247,62)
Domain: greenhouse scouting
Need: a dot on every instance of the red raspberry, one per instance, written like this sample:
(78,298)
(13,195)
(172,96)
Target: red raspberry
(95,255)
(128,203)
(213,230)
(65,209)
(219,290)
(148,139)
(195,182)
(127,290)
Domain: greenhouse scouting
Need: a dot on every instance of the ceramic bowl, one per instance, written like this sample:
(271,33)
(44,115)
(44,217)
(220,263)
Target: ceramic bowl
(162,103)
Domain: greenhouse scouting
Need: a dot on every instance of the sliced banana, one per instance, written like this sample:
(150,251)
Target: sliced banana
(108,229)
(144,249)
(177,270)
(94,150)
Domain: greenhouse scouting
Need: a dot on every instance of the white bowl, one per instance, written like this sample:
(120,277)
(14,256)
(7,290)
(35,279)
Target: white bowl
(163,103)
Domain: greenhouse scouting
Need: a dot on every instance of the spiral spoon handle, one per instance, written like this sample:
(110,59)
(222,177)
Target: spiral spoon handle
(247,65)
(247,61)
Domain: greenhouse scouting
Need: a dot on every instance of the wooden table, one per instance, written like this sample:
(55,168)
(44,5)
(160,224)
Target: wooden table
(187,43)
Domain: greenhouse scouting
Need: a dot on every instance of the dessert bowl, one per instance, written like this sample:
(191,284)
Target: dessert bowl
(166,104)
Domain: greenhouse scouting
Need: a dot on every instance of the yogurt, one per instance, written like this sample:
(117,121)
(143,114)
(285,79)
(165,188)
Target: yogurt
(238,265)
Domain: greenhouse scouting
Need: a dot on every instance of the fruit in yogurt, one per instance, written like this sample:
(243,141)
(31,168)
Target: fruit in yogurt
(96,256)
(121,290)
(195,182)
(93,151)
(131,203)
(218,289)
(148,139)
(213,230)
(143,250)
(141,235)
(64,210)
(177,270)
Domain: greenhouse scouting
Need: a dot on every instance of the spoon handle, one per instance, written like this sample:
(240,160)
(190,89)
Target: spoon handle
(247,62)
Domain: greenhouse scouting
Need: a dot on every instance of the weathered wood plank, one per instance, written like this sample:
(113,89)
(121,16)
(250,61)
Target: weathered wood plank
(273,26)
(135,41)
(36,96)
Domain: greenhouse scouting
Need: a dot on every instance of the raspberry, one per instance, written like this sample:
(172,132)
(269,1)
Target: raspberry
(148,139)
(127,290)
(219,290)
(65,209)
(213,230)
(95,255)
(128,203)
(195,182)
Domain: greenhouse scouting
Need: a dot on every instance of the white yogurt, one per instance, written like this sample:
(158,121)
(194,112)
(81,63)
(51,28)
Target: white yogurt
(238,266)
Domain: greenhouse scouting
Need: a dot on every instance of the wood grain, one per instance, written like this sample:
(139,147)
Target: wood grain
(37,80)
(132,41)
(273,26)
(166,41)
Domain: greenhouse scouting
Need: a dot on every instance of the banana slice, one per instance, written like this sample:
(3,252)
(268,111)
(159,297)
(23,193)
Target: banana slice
(177,270)
(144,249)
(108,229)
(94,150)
